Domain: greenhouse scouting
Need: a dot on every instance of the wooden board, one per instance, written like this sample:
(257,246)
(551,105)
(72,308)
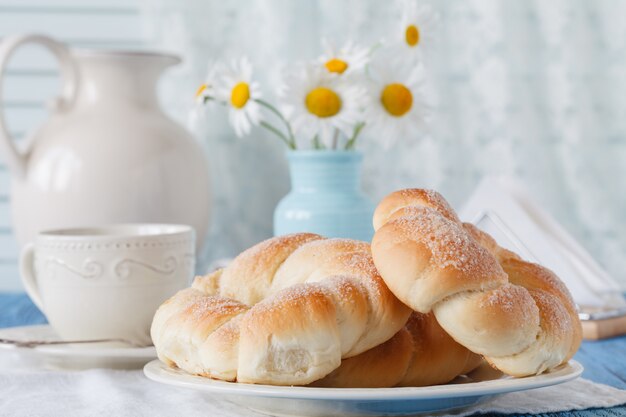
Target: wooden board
(603,329)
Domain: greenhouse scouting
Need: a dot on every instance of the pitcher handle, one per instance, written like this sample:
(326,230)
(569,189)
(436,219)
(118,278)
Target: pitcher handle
(27,272)
(15,159)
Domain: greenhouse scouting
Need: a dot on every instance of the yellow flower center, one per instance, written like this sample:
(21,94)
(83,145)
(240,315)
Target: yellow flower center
(240,95)
(323,102)
(412,35)
(396,99)
(200,90)
(336,65)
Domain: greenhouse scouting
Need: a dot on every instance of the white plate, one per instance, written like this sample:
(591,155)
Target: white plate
(307,401)
(76,356)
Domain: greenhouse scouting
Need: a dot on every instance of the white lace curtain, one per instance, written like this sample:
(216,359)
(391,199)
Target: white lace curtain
(530,89)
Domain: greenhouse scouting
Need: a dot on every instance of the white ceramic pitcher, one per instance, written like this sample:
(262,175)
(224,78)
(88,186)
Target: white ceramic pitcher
(107,154)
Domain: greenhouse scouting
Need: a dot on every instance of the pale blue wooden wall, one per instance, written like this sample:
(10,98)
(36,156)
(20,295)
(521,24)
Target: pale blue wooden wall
(33,78)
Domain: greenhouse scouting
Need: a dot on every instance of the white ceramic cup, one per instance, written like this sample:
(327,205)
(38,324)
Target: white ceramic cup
(107,282)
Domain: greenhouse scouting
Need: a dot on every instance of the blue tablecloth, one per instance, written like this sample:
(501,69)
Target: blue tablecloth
(604,361)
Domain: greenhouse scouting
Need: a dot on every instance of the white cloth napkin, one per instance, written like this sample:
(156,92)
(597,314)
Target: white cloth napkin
(503,208)
(100,392)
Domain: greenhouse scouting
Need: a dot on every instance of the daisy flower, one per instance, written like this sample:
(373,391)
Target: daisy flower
(418,24)
(240,93)
(206,91)
(346,60)
(396,104)
(321,105)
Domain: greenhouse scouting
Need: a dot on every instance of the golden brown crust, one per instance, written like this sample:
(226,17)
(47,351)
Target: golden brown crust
(437,357)
(537,278)
(422,252)
(379,367)
(497,322)
(400,203)
(534,277)
(184,322)
(300,304)
(248,278)
(420,354)
(276,347)
(426,257)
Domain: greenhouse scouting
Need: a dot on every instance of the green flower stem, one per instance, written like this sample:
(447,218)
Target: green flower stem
(357,130)
(206,99)
(291,140)
(316,142)
(290,144)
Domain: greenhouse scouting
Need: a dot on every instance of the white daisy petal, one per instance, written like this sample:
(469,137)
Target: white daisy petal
(244,122)
(401,109)
(239,92)
(416,33)
(321,103)
(347,60)
(206,92)
(232,119)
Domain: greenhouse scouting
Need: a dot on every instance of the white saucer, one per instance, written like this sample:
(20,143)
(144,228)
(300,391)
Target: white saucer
(74,356)
(307,401)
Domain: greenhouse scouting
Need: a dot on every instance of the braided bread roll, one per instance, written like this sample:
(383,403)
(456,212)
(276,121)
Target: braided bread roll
(284,312)
(420,354)
(518,315)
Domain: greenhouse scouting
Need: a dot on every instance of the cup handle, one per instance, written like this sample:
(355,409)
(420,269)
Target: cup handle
(27,272)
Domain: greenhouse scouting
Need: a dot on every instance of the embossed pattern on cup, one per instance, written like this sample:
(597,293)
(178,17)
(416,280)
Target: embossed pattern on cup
(107,282)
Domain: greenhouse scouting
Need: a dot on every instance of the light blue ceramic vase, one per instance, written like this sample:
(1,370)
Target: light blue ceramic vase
(325,197)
